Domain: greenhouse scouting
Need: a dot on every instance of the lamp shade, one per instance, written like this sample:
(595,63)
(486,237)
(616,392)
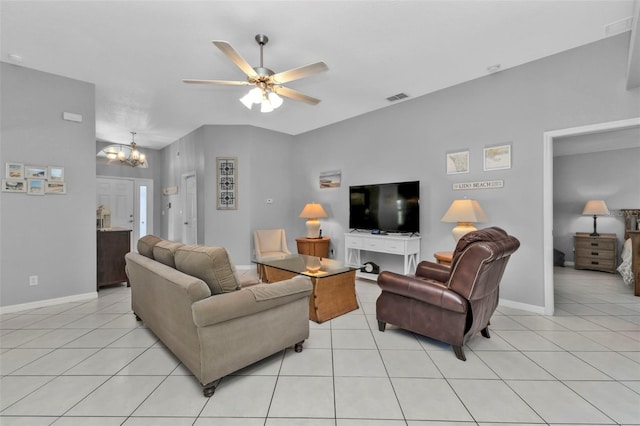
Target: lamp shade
(464,213)
(312,211)
(595,208)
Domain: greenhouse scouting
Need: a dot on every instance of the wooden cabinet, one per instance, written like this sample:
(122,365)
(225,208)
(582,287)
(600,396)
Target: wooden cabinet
(596,253)
(635,260)
(112,246)
(318,247)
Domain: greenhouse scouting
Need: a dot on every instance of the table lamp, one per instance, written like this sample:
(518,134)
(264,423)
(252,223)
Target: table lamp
(312,211)
(595,208)
(465,213)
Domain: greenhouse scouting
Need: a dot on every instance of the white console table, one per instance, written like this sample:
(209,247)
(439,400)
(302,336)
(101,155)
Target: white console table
(408,247)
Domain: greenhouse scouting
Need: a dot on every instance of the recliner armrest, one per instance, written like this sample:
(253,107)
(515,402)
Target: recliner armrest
(424,290)
(240,303)
(433,271)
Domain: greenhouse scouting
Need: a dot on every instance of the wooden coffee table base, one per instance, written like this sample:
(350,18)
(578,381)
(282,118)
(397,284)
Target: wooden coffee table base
(331,297)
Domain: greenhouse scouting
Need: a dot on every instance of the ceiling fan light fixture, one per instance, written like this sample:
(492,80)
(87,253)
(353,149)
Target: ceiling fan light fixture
(275,100)
(266,105)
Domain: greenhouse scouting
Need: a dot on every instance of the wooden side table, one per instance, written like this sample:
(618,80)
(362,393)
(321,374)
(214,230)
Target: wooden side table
(443,257)
(318,247)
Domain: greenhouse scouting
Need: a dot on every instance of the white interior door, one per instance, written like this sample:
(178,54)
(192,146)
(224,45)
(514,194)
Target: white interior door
(117,196)
(190,209)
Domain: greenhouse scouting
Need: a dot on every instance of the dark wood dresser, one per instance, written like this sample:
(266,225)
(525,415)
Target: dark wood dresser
(112,246)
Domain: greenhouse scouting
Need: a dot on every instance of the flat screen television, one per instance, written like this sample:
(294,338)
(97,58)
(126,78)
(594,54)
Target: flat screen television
(385,207)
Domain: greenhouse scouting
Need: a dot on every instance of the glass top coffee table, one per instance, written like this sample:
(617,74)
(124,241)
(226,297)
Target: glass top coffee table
(334,291)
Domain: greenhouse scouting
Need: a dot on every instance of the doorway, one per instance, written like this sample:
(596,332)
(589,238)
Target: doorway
(547,175)
(130,202)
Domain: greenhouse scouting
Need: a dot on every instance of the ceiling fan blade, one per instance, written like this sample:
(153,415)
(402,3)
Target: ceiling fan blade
(235,58)
(295,95)
(225,82)
(298,73)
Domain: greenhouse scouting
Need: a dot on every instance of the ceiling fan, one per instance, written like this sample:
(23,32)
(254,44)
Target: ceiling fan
(268,84)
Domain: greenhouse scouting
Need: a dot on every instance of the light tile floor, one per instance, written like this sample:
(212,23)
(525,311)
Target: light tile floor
(91,363)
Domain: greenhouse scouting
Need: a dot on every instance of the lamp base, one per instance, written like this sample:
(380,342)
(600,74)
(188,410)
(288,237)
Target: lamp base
(313,228)
(461,229)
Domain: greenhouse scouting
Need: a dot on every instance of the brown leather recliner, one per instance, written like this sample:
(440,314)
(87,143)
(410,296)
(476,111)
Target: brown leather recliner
(449,304)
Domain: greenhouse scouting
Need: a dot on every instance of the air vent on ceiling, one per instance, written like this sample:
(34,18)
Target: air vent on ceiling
(397,97)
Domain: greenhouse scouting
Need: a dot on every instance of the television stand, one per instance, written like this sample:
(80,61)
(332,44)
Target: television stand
(401,245)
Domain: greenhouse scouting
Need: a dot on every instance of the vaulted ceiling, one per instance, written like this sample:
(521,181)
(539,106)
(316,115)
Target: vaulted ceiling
(137,53)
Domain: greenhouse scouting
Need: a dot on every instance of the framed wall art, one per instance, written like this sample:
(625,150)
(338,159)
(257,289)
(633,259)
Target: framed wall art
(330,179)
(457,162)
(14,185)
(53,187)
(14,171)
(56,174)
(35,186)
(497,157)
(226,183)
(35,172)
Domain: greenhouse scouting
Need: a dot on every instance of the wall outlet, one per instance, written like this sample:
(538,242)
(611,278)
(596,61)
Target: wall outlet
(33,280)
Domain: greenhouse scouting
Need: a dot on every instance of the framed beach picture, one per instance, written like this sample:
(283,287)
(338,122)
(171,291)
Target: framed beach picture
(56,174)
(497,157)
(35,172)
(457,162)
(35,186)
(14,185)
(330,179)
(53,187)
(14,171)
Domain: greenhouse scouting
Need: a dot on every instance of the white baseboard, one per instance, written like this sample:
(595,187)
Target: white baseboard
(522,306)
(48,302)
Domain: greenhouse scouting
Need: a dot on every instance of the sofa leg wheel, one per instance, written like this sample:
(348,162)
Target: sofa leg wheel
(459,353)
(137,317)
(209,389)
(298,346)
(381,325)
(485,333)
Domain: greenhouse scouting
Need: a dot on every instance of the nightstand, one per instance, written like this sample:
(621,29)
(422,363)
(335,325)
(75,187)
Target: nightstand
(596,253)
(443,257)
(318,247)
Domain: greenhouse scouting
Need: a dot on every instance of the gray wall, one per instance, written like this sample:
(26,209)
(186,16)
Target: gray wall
(612,176)
(264,171)
(409,141)
(53,237)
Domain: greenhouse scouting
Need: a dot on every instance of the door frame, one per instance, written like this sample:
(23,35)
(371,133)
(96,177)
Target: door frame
(547,193)
(136,205)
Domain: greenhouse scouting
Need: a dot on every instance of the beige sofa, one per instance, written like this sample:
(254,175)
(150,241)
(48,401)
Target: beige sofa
(191,298)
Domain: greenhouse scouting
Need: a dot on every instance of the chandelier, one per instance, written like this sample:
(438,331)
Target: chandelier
(127,154)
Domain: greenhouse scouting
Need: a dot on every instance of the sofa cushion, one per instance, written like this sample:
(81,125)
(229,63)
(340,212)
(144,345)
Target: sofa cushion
(146,244)
(211,264)
(164,252)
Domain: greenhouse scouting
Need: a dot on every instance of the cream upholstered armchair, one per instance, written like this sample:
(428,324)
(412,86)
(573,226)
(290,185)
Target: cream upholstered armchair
(269,243)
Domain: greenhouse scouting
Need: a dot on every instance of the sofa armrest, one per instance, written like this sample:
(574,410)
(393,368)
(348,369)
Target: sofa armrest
(424,290)
(433,271)
(248,301)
